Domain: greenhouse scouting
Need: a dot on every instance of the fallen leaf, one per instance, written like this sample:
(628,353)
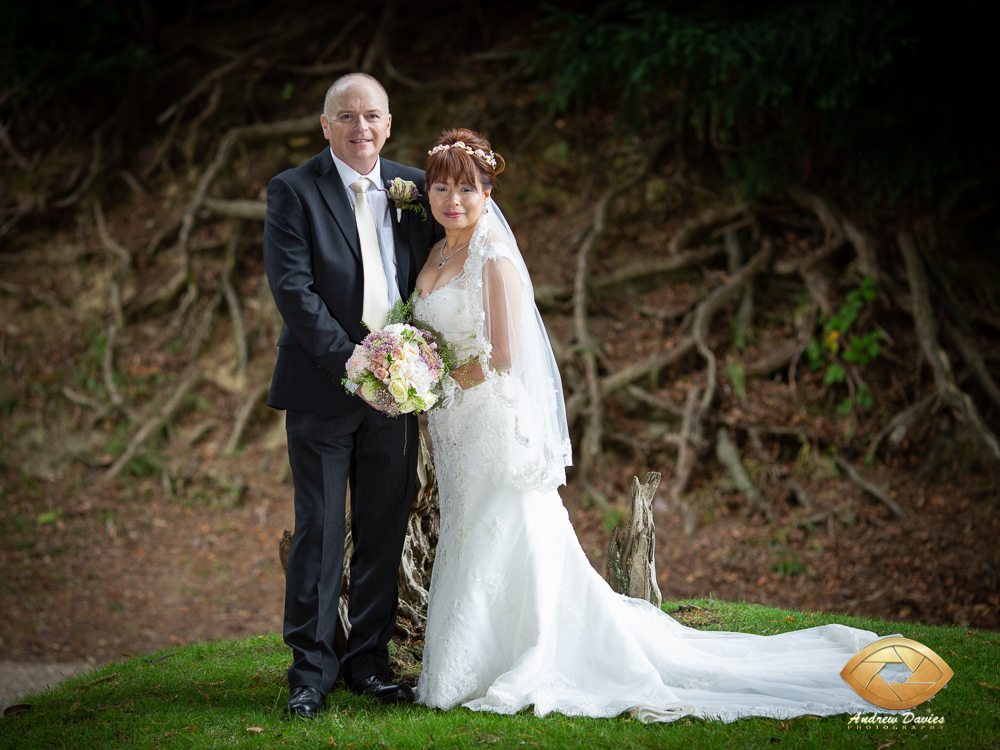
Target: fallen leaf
(991,687)
(255,730)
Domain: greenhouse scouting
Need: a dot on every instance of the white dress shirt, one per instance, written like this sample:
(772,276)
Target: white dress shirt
(379,204)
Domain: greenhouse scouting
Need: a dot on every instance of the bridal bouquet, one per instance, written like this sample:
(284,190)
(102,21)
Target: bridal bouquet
(397,368)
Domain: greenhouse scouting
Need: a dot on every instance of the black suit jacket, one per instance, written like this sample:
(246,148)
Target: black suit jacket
(313,260)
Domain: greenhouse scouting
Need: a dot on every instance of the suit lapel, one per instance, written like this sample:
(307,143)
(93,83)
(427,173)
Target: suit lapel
(331,187)
(402,245)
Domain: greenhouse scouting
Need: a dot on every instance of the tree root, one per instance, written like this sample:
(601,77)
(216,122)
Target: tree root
(923,317)
(900,424)
(654,400)
(692,229)
(154,424)
(689,440)
(233,303)
(547,294)
(729,456)
(191,141)
(974,360)
(247,404)
(591,444)
(714,302)
(616,381)
(237,209)
(870,488)
(229,140)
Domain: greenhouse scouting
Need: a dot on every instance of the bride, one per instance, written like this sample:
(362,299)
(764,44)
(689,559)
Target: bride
(517,616)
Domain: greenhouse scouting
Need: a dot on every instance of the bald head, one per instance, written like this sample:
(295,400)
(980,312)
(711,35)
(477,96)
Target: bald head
(356,120)
(352,80)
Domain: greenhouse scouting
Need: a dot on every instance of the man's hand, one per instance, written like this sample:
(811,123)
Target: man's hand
(361,395)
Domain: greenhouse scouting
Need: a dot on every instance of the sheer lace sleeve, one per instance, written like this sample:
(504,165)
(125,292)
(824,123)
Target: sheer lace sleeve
(515,355)
(502,306)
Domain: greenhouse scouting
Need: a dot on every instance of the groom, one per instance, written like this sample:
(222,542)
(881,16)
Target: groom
(337,256)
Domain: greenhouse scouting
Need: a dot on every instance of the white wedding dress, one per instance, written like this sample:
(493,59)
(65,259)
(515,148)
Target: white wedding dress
(518,617)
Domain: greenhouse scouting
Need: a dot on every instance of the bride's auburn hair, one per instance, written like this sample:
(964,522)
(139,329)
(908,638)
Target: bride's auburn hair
(449,161)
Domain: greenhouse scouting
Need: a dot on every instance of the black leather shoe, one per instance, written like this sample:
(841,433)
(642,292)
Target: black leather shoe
(383,690)
(305,702)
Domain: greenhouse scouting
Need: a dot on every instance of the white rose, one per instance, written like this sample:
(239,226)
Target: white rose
(368,390)
(407,406)
(418,376)
(398,390)
(396,370)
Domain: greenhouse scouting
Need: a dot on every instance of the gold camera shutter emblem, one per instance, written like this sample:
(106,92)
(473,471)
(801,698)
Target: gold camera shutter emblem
(929,673)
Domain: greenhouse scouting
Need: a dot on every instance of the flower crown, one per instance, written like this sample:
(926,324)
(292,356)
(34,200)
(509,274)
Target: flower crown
(489,158)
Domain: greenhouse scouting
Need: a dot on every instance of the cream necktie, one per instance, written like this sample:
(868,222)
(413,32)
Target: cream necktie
(375,307)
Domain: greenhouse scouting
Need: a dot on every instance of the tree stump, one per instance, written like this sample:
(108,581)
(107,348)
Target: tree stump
(416,561)
(631,566)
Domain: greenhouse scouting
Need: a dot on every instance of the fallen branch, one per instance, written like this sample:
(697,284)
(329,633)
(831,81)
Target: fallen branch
(870,488)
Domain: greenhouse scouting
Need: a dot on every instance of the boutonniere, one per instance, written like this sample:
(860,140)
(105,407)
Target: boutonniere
(404,194)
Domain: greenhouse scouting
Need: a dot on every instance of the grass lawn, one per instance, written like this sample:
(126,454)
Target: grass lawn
(232,694)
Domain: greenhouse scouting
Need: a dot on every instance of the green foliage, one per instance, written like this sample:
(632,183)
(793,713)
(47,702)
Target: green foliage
(49,517)
(612,518)
(878,91)
(859,350)
(737,379)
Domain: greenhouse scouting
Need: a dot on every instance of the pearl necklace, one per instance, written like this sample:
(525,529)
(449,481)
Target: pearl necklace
(444,258)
